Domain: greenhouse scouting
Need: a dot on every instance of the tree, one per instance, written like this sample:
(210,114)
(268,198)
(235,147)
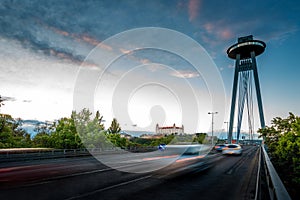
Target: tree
(114,127)
(200,138)
(11,133)
(43,136)
(73,132)
(65,135)
(91,130)
(117,141)
(1,101)
(283,142)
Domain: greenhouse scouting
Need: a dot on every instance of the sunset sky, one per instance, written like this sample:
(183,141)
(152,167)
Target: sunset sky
(52,53)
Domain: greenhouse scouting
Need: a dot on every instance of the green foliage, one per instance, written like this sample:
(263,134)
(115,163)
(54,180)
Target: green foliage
(91,130)
(42,140)
(283,142)
(200,138)
(117,140)
(65,135)
(150,142)
(137,141)
(163,140)
(11,135)
(43,136)
(78,131)
(114,127)
(169,139)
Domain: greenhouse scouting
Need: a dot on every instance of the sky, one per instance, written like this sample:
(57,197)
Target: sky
(144,62)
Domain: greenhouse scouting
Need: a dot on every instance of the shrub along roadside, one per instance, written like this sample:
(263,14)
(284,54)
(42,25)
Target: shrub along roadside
(283,141)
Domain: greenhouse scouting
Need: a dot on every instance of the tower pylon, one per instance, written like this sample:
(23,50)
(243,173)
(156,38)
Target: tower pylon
(244,52)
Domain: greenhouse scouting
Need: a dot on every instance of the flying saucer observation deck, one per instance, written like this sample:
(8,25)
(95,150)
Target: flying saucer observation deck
(244,48)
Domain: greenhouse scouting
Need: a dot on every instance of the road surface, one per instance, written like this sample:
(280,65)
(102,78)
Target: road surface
(175,176)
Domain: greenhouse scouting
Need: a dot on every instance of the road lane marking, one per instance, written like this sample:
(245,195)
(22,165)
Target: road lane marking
(190,158)
(159,157)
(109,187)
(51,179)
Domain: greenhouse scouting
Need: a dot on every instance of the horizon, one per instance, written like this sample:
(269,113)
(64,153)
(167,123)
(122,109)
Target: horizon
(221,133)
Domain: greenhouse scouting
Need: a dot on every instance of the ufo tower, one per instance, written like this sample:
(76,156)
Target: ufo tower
(244,53)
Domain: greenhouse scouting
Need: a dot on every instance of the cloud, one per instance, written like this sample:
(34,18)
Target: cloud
(144,61)
(155,67)
(219,26)
(185,74)
(4,98)
(125,51)
(39,29)
(193,9)
(70,32)
(217,30)
(61,32)
(208,27)
(65,56)
(225,34)
(92,41)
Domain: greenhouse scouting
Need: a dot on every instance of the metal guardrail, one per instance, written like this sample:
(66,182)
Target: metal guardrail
(7,155)
(277,190)
(35,154)
(258,179)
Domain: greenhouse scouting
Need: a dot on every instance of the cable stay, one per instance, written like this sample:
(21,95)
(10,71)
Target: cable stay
(245,95)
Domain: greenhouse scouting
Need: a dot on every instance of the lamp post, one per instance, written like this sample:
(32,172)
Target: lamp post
(212,126)
(227,129)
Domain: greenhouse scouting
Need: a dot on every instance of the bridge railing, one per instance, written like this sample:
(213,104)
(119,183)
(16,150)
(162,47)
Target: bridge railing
(18,154)
(38,153)
(277,190)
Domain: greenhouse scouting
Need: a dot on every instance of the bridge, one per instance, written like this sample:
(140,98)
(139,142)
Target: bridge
(196,173)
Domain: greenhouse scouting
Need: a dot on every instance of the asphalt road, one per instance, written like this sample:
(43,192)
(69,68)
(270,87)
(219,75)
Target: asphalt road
(158,175)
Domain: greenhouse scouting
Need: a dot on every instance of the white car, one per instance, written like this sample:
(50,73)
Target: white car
(232,149)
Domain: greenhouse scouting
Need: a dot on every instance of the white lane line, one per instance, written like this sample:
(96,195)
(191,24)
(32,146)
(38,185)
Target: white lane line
(49,180)
(109,188)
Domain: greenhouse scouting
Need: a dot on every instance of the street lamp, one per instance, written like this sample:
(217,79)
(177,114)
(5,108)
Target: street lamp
(212,126)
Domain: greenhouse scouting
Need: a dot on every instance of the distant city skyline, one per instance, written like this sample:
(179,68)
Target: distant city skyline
(44,45)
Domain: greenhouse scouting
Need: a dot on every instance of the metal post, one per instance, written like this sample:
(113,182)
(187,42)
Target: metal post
(233,99)
(258,94)
(212,126)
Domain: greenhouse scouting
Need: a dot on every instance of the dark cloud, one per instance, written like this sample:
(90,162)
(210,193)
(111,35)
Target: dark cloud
(42,25)
(54,27)
(39,26)
(4,98)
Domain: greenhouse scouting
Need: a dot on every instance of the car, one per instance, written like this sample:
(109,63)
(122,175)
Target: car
(193,149)
(232,149)
(219,147)
(162,147)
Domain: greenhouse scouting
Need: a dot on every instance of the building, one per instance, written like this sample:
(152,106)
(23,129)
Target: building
(169,130)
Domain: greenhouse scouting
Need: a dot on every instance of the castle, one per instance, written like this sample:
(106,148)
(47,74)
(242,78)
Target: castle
(169,130)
